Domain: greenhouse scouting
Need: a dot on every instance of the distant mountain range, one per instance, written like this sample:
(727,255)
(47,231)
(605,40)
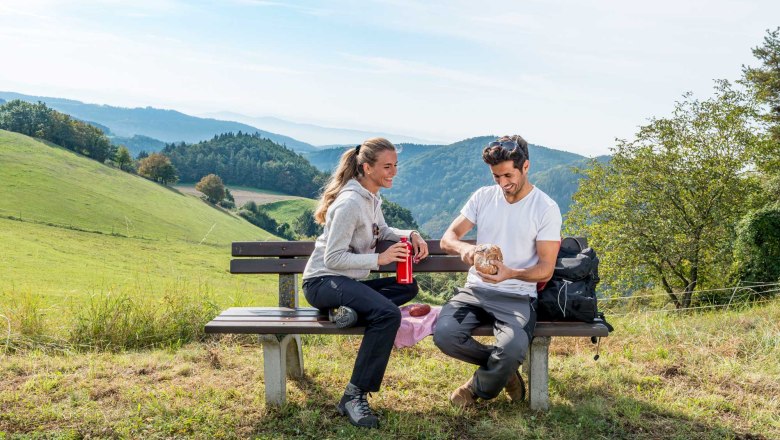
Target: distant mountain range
(433,183)
(163,126)
(315,134)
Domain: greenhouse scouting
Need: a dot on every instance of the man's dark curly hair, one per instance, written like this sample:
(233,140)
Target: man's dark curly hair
(497,154)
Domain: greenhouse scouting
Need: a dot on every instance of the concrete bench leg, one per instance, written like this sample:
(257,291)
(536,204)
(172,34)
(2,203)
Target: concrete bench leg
(282,357)
(539,398)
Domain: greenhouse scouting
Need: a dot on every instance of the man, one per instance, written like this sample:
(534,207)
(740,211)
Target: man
(525,223)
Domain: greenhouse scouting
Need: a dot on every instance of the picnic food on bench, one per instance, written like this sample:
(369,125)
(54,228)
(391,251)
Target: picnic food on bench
(419,309)
(482,256)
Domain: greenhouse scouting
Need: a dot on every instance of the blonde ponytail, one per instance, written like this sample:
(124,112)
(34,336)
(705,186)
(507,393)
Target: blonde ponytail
(350,166)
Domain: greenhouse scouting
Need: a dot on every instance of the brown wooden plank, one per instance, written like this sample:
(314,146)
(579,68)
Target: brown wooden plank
(248,325)
(303,248)
(271,312)
(449,263)
(272,248)
(559,329)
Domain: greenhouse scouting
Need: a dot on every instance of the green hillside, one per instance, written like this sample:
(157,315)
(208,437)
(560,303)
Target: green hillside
(49,184)
(73,231)
(286,211)
(436,183)
(326,159)
(64,268)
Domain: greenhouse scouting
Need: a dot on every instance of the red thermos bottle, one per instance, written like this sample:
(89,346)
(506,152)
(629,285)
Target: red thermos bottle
(403,270)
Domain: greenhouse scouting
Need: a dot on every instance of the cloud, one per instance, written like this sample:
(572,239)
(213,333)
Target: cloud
(320,12)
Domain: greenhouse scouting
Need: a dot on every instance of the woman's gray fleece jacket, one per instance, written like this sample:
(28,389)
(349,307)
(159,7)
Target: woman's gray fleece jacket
(344,248)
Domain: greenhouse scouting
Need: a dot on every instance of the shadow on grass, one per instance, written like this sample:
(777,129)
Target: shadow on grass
(589,413)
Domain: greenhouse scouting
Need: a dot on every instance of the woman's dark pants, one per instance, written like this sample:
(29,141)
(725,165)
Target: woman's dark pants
(376,303)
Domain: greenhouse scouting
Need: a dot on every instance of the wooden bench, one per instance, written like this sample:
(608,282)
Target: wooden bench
(280,327)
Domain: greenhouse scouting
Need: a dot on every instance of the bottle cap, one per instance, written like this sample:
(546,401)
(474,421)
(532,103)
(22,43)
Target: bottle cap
(403,239)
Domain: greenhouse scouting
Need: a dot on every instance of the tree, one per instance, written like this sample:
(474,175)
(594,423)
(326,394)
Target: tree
(397,216)
(663,211)
(758,234)
(212,187)
(765,80)
(758,246)
(42,122)
(123,159)
(157,167)
(305,226)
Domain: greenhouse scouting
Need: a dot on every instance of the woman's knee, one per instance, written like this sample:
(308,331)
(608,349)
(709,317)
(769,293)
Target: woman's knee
(387,313)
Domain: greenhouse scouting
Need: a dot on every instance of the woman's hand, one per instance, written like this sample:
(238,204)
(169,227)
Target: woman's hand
(395,253)
(420,247)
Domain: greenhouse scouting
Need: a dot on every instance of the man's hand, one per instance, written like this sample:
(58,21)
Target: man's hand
(504,273)
(467,254)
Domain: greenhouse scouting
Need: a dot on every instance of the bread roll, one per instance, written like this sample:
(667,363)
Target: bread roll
(482,256)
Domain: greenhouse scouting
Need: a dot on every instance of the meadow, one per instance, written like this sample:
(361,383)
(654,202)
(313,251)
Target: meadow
(679,376)
(77,236)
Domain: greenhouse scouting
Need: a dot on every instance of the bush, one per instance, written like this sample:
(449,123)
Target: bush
(305,226)
(255,215)
(212,187)
(227,204)
(157,167)
(758,246)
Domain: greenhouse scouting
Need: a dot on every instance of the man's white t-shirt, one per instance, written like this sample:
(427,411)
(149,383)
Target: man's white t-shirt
(515,228)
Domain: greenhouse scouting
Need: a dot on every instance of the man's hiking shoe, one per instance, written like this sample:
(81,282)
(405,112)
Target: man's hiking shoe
(356,408)
(343,316)
(515,388)
(463,396)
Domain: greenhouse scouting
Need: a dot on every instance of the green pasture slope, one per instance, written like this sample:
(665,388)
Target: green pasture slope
(71,228)
(286,211)
(49,184)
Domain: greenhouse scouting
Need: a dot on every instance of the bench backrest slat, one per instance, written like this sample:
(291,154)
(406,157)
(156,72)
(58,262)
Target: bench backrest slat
(303,248)
(296,265)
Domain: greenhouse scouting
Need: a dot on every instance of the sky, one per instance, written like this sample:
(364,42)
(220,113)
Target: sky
(570,75)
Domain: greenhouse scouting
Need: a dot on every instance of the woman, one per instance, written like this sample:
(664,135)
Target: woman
(350,209)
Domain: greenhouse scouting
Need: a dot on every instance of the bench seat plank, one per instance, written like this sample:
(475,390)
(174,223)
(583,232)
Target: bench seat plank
(305,320)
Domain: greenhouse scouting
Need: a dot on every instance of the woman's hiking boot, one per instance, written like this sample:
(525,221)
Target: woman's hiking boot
(354,405)
(464,396)
(515,388)
(343,316)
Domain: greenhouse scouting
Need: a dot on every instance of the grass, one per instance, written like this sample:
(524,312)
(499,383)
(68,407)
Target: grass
(50,185)
(62,270)
(287,211)
(710,375)
(75,235)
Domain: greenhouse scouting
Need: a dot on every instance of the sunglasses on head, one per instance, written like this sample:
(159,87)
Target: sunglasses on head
(375,232)
(507,145)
